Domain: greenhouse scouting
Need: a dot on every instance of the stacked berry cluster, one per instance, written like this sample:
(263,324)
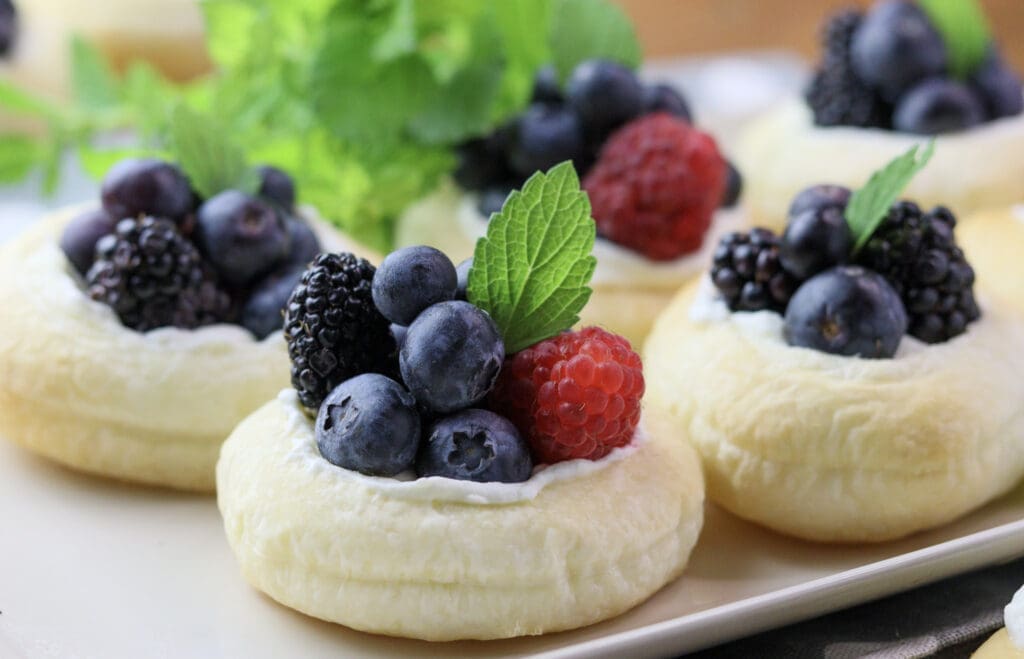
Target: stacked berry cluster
(910,276)
(891,68)
(8,26)
(434,391)
(161,257)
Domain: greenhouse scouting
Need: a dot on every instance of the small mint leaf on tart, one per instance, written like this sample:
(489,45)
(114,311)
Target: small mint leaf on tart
(869,205)
(203,149)
(964,29)
(532,269)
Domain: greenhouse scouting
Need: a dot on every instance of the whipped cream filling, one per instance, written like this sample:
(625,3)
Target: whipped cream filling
(305,452)
(1013,614)
(617,265)
(1018,212)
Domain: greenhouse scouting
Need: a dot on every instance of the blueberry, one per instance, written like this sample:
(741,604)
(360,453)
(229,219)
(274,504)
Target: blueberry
(733,186)
(399,332)
(492,199)
(814,241)
(369,424)
(242,237)
(451,356)
(998,86)
(546,87)
(263,312)
(662,98)
(147,186)
(895,47)
(462,278)
(80,235)
(604,95)
(847,310)
(8,26)
(304,245)
(545,136)
(475,445)
(277,186)
(411,279)
(817,197)
(483,161)
(938,106)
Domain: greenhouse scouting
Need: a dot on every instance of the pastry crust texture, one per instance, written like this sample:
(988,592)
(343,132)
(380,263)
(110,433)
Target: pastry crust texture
(79,388)
(998,646)
(783,153)
(841,449)
(424,559)
(994,244)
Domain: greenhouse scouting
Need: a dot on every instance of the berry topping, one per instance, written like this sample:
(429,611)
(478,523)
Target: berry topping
(277,186)
(8,26)
(604,95)
(263,312)
(136,187)
(748,273)
(998,87)
(656,187)
(818,197)
(475,445)
(80,235)
(412,279)
(546,88)
(369,424)
(493,198)
(462,278)
(917,253)
(302,241)
(152,276)
(733,186)
(334,331)
(482,162)
(545,136)
(662,98)
(576,395)
(451,356)
(815,240)
(241,236)
(847,310)
(938,106)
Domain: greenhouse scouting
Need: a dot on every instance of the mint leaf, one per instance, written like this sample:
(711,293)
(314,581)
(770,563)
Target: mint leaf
(587,29)
(964,29)
(869,205)
(202,148)
(25,104)
(19,155)
(531,271)
(92,80)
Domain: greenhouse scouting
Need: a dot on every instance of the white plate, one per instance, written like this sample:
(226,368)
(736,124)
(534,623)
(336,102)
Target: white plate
(90,568)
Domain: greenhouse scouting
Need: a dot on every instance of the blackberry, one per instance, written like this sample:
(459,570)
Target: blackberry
(8,27)
(917,253)
(334,331)
(152,276)
(836,96)
(748,273)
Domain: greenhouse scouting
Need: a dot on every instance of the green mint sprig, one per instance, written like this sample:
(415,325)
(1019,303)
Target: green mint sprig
(868,206)
(204,151)
(532,269)
(964,29)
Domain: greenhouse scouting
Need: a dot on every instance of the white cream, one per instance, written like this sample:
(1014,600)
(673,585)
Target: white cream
(1014,617)
(617,265)
(434,488)
(1018,213)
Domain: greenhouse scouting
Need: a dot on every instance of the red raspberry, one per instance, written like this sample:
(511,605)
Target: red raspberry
(656,186)
(576,395)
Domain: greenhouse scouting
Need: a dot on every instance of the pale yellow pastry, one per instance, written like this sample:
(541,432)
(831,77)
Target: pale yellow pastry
(784,152)
(1008,642)
(833,448)
(629,290)
(994,243)
(81,389)
(442,559)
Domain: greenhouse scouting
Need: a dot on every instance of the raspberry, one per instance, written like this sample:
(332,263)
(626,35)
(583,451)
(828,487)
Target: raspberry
(656,186)
(576,395)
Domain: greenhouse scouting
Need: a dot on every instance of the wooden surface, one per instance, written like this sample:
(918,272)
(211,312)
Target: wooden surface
(683,27)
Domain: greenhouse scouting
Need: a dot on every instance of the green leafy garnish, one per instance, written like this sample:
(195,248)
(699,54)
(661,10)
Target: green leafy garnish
(584,29)
(869,205)
(532,269)
(964,29)
(210,160)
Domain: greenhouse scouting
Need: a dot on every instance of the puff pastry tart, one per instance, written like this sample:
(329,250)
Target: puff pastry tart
(493,483)
(661,191)
(886,77)
(1008,642)
(844,403)
(994,240)
(137,369)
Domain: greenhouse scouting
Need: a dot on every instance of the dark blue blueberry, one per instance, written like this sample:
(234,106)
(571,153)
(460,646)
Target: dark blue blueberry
(475,445)
(847,310)
(733,186)
(604,95)
(462,277)
(483,161)
(242,237)
(411,279)
(277,186)
(998,86)
(80,236)
(136,187)
(546,87)
(263,312)
(545,136)
(817,197)
(662,98)
(492,199)
(8,26)
(938,106)
(399,332)
(369,424)
(895,47)
(451,356)
(814,241)
(304,245)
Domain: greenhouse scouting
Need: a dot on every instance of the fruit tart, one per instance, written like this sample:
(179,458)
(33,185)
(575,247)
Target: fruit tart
(141,330)
(660,189)
(496,480)
(899,70)
(1008,642)
(841,382)
(994,240)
